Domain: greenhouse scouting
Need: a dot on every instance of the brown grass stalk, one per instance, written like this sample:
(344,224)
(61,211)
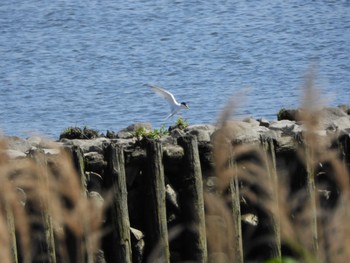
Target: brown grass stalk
(40,200)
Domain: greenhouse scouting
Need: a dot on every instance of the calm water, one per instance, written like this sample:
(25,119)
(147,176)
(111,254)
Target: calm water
(67,63)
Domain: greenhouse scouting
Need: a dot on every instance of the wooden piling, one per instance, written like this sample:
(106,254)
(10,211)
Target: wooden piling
(47,241)
(271,169)
(157,231)
(312,192)
(79,164)
(192,201)
(236,212)
(120,248)
(80,251)
(276,221)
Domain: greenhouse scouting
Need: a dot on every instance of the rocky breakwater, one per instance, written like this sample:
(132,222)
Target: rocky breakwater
(286,135)
(333,122)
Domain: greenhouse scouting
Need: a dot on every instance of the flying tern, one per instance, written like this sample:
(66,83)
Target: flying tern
(175,107)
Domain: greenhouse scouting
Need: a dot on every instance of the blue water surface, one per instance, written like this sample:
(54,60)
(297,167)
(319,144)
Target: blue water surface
(68,63)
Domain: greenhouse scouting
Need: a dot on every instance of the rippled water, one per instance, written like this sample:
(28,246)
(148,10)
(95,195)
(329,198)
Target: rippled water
(67,63)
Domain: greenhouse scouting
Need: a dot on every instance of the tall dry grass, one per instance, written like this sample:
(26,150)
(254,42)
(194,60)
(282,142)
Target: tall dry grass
(308,223)
(44,214)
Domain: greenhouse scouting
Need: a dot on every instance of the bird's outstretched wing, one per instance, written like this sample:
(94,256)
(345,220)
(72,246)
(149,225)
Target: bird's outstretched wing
(165,94)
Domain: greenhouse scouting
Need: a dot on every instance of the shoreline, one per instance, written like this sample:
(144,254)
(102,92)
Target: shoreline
(329,120)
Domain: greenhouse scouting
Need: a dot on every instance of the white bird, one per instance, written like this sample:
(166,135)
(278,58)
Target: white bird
(175,107)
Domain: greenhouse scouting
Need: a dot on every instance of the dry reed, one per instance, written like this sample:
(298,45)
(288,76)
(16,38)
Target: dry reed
(298,223)
(42,208)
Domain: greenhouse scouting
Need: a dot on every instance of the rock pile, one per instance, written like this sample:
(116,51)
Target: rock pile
(284,131)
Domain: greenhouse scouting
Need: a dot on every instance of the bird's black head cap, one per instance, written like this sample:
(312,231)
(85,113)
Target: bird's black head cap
(185,104)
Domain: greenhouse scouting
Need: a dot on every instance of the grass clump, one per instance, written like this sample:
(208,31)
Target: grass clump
(79,133)
(141,133)
(181,124)
(287,114)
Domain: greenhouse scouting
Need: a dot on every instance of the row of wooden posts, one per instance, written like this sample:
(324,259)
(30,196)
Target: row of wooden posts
(157,241)
(191,202)
(117,242)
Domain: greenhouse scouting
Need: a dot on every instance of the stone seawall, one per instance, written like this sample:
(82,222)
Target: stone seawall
(285,132)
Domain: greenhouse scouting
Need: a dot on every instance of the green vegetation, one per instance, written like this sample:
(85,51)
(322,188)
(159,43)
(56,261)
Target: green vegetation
(141,133)
(287,114)
(78,133)
(181,123)
(282,260)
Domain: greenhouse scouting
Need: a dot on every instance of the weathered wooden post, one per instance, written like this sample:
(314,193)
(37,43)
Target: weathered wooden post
(80,249)
(271,170)
(157,231)
(46,242)
(78,160)
(312,192)
(236,211)
(192,201)
(120,243)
